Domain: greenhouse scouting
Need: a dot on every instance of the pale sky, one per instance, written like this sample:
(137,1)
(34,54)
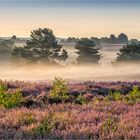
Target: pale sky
(79,18)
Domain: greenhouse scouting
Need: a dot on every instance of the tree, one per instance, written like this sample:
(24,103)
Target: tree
(129,53)
(72,40)
(6,46)
(87,51)
(104,40)
(14,37)
(122,38)
(96,41)
(41,48)
(113,39)
(134,41)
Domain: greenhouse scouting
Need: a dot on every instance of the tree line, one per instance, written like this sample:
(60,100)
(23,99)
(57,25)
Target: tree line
(42,47)
(120,39)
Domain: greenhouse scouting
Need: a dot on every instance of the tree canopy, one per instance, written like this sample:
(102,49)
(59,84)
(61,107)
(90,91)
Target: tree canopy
(122,38)
(87,51)
(129,53)
(41,48)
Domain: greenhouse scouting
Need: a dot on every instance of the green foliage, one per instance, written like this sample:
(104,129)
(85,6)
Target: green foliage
(6,46)
(81,100)
(122,38)
(115,96)
(129,53)
(3,87)
(46,126)
(134,95)
(110,125)
(41,48)
(59,90)
(87,51)
(9,100)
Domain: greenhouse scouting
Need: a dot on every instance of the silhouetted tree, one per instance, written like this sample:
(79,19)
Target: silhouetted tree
(13,37)
(113,39)
(105,40)
(134,41)
(6,46)
(72,40)
(122,38)
(87,51)
(41,48)
(130,52)
(96,40)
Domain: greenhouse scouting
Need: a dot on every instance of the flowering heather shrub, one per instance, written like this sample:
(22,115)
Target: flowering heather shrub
(109,126)
(115,120)
(46,126)
(97,119)
(26,118)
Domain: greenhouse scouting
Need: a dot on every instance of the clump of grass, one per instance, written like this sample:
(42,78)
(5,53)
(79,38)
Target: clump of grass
(109,126)
(9,100)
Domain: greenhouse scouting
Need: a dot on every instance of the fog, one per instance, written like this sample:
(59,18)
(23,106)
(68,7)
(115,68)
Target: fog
(103,72)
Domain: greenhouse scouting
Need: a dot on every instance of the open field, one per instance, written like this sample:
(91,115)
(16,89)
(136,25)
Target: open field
(90,111)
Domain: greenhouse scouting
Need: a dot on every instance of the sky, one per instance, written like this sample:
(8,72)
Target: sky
(79,18)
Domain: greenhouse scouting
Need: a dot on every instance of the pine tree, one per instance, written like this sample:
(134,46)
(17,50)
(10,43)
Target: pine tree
(129,53)
(41,48)
(87,51)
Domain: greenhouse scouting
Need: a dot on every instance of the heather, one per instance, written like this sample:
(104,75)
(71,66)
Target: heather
(61,110)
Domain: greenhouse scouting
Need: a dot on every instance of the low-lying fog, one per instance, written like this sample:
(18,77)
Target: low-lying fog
(102,72)
(129,72)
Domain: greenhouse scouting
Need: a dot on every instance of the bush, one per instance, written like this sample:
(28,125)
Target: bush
(27,119)
(115,96)
(3,87)
(133,96)
(46,126)
(81,100)
(59,91)
(9,100)
(135,93)
(109,126)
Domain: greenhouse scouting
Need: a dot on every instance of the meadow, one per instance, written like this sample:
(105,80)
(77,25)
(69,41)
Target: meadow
(73,110)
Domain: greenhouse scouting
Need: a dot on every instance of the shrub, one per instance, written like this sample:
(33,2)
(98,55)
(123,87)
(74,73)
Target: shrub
(59,90)
(3,87)
(115,96)
(135,93)
(109,126)
(30,102)
(27,119)
(81,100)
(46,126)
(9,100)
(133,96)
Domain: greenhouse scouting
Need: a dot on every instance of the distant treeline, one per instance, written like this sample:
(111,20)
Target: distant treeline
(120,39)
(43,47)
